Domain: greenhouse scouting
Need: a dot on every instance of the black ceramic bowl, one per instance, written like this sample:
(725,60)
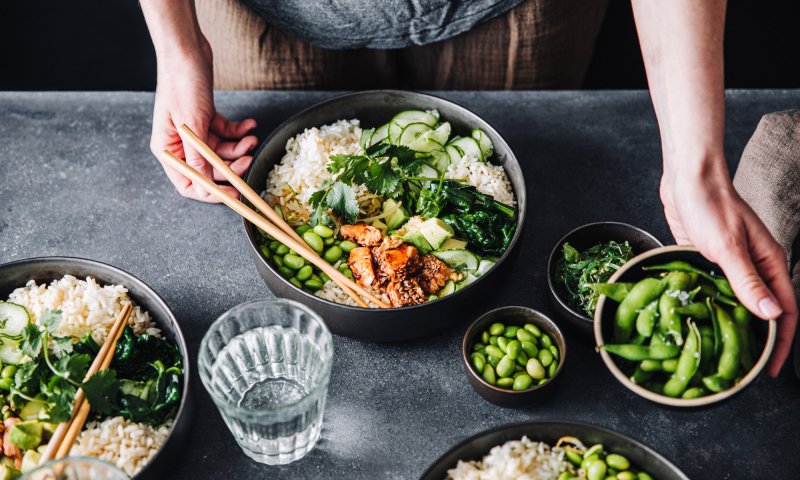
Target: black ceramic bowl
(475,447)
(632,271)
(585,237)
(518,316)
(45,269)
(375,108)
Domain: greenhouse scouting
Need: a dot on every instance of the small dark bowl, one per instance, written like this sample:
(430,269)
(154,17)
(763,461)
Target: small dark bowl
(582,238)
(518,316)
(45,269)
(475,447)
(390,324)
(632,272)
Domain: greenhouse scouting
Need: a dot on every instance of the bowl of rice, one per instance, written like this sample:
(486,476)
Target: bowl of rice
(90,295)
(295,161)
(540,451)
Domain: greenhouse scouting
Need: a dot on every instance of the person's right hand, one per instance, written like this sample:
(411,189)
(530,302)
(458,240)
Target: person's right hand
(184,94)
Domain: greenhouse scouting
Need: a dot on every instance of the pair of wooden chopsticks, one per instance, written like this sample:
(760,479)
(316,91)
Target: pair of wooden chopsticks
(65,435)
(274,225)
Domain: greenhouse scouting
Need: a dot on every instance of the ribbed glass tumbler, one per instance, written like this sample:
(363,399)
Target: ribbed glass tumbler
(266,365)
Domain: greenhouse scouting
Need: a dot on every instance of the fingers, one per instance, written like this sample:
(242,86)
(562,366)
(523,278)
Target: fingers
(239,167)
(196,161)
(234,150)
(231,130)
(746,280)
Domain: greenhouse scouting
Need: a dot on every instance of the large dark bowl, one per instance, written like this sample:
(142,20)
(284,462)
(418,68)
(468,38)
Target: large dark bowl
(375,108)
(582,238)
(475,447)
(518,316)
(45,269)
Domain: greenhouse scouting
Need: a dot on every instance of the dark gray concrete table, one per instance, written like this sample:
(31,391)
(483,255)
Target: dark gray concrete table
(77,178)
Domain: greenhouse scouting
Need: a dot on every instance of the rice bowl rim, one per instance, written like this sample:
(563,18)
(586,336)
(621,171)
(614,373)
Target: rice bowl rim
(497,139)
(143,290)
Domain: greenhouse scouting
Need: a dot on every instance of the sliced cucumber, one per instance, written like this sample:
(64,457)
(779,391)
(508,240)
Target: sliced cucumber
(468,278)
(458,259)
(441,160)
(441,133)
(10,352)
(408,117)
(448,288)
(393,132)
(380,134)
(13,318)
(454,153)
(412,132)
(453,244)
(469,146)
(484,267)
(483,142)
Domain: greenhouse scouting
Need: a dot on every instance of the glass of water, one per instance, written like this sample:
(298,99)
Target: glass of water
(76,468)
(266,365)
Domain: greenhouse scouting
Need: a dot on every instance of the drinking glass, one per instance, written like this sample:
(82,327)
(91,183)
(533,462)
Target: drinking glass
(266,365)
(76,468)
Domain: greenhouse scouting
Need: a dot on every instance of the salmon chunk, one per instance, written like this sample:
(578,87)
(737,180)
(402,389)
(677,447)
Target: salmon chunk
(395,264)
(360,262)
(362,234)
(434,274)
(405,292)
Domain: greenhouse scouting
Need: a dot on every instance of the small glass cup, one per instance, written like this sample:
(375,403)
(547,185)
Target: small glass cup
(75,468)
(266,365)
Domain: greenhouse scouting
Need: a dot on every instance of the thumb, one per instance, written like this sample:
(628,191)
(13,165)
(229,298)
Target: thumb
(194,159)
(748,284)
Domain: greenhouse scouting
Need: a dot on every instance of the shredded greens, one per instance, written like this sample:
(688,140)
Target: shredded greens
(576,270)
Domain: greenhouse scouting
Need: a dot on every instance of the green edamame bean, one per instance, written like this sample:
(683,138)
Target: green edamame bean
(478,361)
(313,283)
(282,250)
(333,254)
(535,368)
(273,245)
(286,272)
(522,358)
(488,375)
(485,337)
(328,241)
(679,281)
(277,260)
(301,229)
(551,370)
(6,383)
(687,364)
(513,349)
(518,368)
(493,340)
(595,449)
(304,273)
(545,357)
(265,251)
(615,291)
(574,457)
(649,365)
(324,276)
(323,231)
(554,350)
(478,346)
(545,341)
(644,292)
(8,371)
(348,273)
(522,382)
(646,319)
(669,365)
(297,283)
(626,475)
(494,351)
(565,476)
(502,343)
(597,470)
(530,349)
(293,261)
(314,241)
(617,461)
(496,329)
(694,392)
(730,357)
(347,245)
(511,331)
(505,382)
(533,329)
(643,476)
(588,459)
(506,367)
(525,336)
(316,277)
(493,361)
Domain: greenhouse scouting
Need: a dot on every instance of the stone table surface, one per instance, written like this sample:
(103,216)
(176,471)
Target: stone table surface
(75,167)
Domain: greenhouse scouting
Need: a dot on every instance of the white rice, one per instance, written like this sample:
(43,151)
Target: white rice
(85,306)
(125,444)
(333,292)
(514,460)
(487,178)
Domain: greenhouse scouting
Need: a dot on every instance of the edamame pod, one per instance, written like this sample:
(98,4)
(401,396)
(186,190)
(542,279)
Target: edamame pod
(615,291)
(669,320)
(644,292)
(720,283)
(730,357)
(742,316)
(636,353)
(695,310)
(694,392)
(687,366)
(646,319)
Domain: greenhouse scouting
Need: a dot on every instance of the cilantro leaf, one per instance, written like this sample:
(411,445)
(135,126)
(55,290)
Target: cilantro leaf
(28,376)
(31,341)
(74,366)
(382,179)
(102,392)
(50,320)
(59,394)
(366,136)
(62,346)
(342,201)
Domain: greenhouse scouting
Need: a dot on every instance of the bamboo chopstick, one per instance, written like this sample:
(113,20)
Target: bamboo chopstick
(270,228)
(62,435)
(255,199)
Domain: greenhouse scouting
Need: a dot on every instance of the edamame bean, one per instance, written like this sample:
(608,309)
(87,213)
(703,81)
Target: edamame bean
(730,357)
(8,371)
(305,273)
(314,241)
(669,365)
(493,361)
(488,375)
(597,470)
(617,461)
(551,370)
(277,260)
(643,476)
(565,476)
(297,283)
(511,331)
(533,329)
(478,361)
(282,250)
(328,241)
(493,340)
(313,283)
(505,382)
(348,273)
(347,245)
(649,365)
(293,261)
(574,457)
(485,337)
(694,392)
(513,349)
(525,336)
(644,292)
(323,231)
(324,276)
(496,329)
(545,341)
(265,251)
(273,245)
(506,367)
(595,449)
(286,272)
(522,382)
(530,349)
(478,346)
(502,343)
(522,359)
(535,369)
(626,475)
(588,459)
(6,383)
(545,357)
(302,228)
(669,321)
(646,319)
(333,254)
(554,350)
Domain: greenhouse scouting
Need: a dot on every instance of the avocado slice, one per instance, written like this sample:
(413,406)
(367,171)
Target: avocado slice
(26,435)
(32,409)
(396,215)
(453,244)
(435,232)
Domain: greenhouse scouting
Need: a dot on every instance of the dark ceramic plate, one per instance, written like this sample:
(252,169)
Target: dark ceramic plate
(374,108)
(582,238)
(45,269)
(474,448)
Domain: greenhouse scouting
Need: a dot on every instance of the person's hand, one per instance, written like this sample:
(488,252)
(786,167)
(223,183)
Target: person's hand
(185,95)
(708,213)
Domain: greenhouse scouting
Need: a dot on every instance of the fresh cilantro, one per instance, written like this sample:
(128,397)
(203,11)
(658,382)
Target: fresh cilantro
(366,136)
(50,320)
(31,343)
(74,367)
(62,346)
(342,201)
(102,392)
(383,180)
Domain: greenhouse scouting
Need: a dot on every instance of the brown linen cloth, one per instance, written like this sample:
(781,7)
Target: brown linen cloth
(768,179)
(538,44)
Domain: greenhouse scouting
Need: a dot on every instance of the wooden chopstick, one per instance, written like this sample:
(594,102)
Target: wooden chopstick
(62,438)
(255,199)
(275,232)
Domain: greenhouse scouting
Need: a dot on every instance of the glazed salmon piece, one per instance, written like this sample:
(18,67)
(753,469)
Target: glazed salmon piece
(434,273)
(396,264)
(362,234)
(360,262)
(405,292)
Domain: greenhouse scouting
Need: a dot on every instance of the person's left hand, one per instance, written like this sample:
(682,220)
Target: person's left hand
(708,212)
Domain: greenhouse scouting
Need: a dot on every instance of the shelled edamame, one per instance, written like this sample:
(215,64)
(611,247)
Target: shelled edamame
(596,463)
(513,357)
(683,333)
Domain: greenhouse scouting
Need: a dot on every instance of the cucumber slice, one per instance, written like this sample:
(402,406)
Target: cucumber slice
(469,146)
(380,134)
(448,288)
(408,117)
(440,160)
(484,267)
(441,133)
(10,353)
(458,259)
(426,171)
(13,318)
(412,133)
(468,278)
(483,142)
(393,132)
(454,153)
